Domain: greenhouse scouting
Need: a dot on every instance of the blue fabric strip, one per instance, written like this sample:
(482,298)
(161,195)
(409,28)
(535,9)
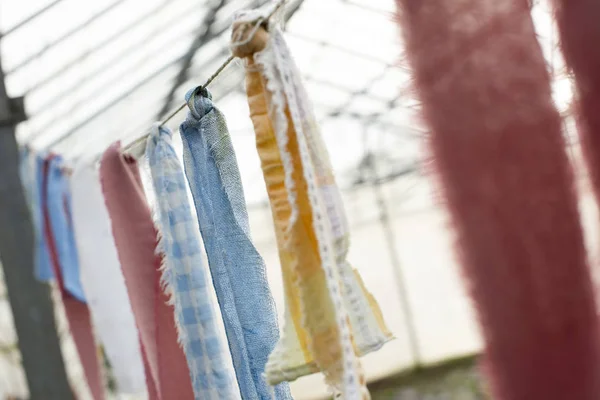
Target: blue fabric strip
(186,276)
(237,269)
(32,176)
(59,209)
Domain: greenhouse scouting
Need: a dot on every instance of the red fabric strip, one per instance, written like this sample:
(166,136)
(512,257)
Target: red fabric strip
(497,146)
(136,240)
(77,313)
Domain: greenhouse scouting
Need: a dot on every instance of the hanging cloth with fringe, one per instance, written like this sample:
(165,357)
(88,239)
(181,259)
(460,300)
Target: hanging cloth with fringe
(167,374)
(185,276)
(330,317)
(64,260)
(237,269)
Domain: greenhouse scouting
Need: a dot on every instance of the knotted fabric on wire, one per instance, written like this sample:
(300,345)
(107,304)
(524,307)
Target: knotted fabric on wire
(103,281)
(330,317)
(237,269)
(185,276)
(60,240)
(167,374)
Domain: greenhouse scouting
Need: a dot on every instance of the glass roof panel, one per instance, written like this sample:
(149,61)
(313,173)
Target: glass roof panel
(96,72)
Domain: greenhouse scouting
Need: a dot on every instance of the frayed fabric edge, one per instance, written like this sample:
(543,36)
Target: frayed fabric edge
(266,59)
(349,364)
(166,274)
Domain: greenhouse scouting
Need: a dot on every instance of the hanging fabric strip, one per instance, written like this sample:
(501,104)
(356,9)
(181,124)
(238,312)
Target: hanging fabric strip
(237,268)
(30,170)
(60,241)
(43,263)
(59,206)
(497,144)
(184,275)
(103,281)
(167,374)
(329,314)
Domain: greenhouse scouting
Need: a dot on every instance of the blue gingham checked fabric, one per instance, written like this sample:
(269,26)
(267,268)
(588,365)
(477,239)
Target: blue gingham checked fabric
(185,276)
(237,269)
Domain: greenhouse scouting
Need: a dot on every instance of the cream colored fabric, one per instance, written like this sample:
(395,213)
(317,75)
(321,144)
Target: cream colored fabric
(329,317)
(103,281)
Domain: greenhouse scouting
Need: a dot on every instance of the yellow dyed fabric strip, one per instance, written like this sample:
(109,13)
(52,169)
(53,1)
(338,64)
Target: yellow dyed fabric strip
(330,318)
(303,276)
(300,262)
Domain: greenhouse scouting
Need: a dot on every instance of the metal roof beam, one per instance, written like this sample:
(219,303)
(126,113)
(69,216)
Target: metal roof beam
(64,37)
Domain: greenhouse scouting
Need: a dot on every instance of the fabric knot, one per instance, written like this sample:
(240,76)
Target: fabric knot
(248,38)
(199,101)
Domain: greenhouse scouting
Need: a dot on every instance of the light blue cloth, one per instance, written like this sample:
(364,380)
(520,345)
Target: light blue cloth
(237,268)
(32,172)
(59,211)
(28,171)
(185,276)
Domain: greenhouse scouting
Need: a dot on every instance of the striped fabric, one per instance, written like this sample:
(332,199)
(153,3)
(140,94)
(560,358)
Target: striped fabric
(330,317)
(185,276)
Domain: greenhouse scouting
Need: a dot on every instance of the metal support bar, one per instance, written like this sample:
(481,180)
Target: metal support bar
(390,238)
(64,37)
(30,18)
(30,300)
(16,112)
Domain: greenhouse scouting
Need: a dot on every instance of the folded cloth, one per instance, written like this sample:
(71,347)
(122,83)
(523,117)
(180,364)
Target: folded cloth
(238,270)
(185,276)
(330,317)
(60,240)
(103,282)
(167,374)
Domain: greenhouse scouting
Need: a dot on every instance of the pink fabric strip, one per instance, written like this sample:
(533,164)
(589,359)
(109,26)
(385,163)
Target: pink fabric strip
(136,240)
(78,315)
(498,147)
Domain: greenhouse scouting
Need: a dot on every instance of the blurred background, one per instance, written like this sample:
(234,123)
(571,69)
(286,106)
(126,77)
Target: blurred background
(96,72)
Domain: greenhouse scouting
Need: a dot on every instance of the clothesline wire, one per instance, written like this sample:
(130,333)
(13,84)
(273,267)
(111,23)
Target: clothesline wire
(61,39)
(224,65)
(208,82)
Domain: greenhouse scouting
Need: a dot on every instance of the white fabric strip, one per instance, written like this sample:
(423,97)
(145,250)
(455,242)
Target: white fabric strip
(103,282)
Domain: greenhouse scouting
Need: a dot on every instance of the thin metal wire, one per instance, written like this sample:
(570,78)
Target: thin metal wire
(208,82)
(65,36)
(46,108)
(106,41)
(229,59)
(226,62)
